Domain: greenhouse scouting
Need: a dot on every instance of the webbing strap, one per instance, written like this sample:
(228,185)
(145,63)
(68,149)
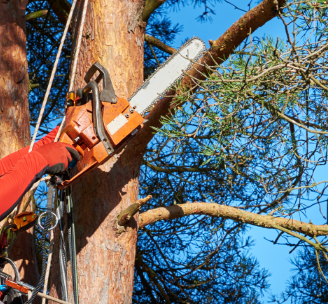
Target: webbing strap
(62,246)
(72,245)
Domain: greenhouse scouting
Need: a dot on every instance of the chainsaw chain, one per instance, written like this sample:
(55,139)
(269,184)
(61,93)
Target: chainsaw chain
(161,95)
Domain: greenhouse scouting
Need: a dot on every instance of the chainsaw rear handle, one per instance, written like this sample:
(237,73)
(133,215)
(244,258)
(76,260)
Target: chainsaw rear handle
(97,120)
(108,92)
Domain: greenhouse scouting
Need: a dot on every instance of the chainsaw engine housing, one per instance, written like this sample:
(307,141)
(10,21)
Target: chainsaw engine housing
(97,128)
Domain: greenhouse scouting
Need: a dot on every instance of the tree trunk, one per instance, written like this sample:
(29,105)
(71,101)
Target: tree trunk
(105,259)
(14,113)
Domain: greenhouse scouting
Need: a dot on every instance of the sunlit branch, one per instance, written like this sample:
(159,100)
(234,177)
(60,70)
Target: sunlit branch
(159,44)
(216,210)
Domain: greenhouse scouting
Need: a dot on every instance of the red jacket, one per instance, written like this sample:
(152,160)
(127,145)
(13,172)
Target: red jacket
(19,171)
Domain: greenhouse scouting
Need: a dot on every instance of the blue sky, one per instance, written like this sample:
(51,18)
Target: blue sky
(275,258)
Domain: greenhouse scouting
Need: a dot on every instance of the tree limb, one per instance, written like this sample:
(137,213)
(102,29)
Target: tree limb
(159,44)
(212,209)
(61,8)
(179,169)
(220,50)
(150,6)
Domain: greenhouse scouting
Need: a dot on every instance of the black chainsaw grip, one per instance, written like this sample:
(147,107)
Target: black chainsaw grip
(108,92)
(97,120)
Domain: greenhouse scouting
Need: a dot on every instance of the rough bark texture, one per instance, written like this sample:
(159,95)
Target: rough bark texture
(106,261)
(211,209)
(14,113)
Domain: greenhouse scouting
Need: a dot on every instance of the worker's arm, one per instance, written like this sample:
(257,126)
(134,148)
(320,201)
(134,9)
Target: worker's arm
(10,160)
(51,158)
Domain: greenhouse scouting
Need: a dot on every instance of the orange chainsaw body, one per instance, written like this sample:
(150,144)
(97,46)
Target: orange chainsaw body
(119,120)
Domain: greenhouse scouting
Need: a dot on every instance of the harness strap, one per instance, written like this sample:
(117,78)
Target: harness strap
(62,246)
(72,246)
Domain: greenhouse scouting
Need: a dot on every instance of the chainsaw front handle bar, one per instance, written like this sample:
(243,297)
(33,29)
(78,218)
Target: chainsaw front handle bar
(97,115)
(108,92)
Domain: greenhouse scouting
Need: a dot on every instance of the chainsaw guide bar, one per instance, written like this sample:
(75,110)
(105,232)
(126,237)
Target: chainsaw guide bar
(162,80)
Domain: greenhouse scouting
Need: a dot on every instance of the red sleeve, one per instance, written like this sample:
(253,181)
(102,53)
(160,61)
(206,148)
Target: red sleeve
(19,179)
(10,160)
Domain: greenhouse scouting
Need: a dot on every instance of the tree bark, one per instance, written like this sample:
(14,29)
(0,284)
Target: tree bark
(14,113)
(106,260)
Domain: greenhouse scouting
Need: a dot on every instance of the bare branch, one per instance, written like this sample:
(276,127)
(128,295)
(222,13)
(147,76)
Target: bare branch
(159,44)
(212,209)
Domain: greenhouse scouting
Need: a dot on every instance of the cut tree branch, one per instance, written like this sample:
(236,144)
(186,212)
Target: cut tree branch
(159,44)
(35,15)
(129,212)
(220,50)
(227,212)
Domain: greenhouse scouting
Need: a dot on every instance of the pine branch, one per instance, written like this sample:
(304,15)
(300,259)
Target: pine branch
(159,44)
(227,212)
(220,50)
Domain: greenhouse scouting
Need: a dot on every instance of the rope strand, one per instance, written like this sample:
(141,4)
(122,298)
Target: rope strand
(76,56)
(52,75)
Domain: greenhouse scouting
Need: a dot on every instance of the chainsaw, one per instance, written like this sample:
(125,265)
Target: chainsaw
(98,125)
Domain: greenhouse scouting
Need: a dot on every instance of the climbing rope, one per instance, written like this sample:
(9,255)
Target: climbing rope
(51,187)
(52,75)
(71,227)
(76,56)
(43,281)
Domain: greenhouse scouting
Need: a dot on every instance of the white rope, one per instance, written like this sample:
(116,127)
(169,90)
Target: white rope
(77,50)
(76,53)
(76,56)
(52,75)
